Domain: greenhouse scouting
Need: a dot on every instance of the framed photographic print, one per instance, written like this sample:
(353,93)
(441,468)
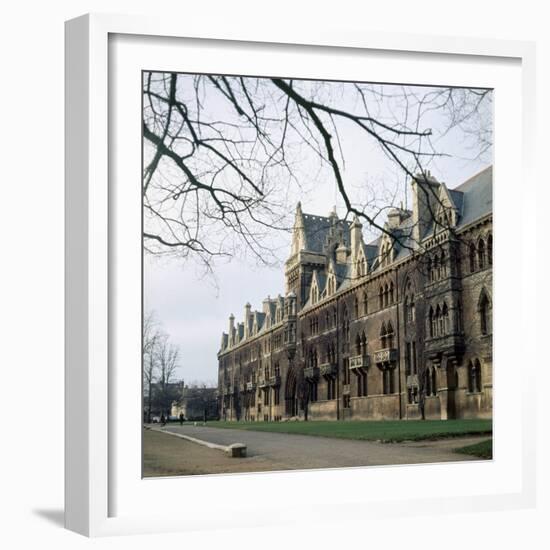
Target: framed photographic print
(286,275)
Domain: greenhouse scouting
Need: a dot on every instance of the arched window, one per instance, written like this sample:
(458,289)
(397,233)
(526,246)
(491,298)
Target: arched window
(472,257)
(443,265)
(439,321)
(381,297)
(484,307)
(445,314)
(436,273)
(391,293)
(434,381)
(474,376)
(365,303)
(429,268)
(478,375)
(387,381)
(409,302)
(364,344)
(432,322)
(386,295)
(345,324)
(383,336)
(389,335)
(481,254)
(490,249)
(358,345)
(356,307)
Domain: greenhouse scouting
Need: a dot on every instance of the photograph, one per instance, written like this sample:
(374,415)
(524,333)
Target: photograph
(248,275)
(317,282)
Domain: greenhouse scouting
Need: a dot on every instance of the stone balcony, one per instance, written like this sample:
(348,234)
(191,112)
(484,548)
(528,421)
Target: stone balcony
(451,345)
(386,355)
(311,373)
(328,369)
(359,362)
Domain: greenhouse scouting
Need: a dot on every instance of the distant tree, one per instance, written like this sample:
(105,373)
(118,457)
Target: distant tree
(167,363)
(160,362)
(151,339)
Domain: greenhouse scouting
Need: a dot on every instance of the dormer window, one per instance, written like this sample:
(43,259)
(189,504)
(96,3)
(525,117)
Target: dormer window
(361,264)
(331,285)
(314,292)
(385,254)
(409,303)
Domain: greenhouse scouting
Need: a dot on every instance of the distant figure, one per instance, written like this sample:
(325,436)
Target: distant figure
(162,420)
(181,419)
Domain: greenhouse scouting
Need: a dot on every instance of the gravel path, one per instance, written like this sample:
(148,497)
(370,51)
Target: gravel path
(291,451)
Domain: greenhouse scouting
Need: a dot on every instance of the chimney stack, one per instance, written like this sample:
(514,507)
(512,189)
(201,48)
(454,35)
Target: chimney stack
(246,319)
(231,329)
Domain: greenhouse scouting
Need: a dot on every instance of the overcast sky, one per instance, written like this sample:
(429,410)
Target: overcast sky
(194,309)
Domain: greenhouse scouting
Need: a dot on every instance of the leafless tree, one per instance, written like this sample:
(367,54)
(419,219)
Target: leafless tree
(150,341)
(223,154)
(160,362)
(167,363)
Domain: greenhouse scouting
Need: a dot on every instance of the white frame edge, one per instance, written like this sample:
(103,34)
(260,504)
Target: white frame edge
(86,284)
(87,244)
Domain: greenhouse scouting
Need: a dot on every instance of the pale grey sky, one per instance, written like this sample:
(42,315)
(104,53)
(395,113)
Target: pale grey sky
(194,309)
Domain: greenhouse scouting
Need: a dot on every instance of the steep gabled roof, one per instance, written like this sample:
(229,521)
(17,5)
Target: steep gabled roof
(477,194)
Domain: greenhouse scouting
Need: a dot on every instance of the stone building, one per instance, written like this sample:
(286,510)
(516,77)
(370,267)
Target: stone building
(396,328)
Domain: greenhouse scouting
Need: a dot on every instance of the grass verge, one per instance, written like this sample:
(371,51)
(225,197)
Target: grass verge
(483,449)
(384,430)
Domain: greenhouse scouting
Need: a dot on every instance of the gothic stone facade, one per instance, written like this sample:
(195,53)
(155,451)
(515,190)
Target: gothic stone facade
(394,329)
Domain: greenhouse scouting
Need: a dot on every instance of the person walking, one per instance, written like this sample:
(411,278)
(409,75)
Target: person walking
(181,419)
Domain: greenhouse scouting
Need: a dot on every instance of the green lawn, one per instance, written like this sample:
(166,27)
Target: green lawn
(384,430)
(483,449)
